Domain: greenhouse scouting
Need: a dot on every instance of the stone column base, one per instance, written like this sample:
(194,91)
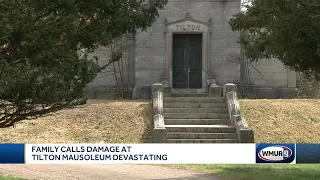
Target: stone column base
(246,136)
(141,92)
(277,93)
(266,93)
(214,91)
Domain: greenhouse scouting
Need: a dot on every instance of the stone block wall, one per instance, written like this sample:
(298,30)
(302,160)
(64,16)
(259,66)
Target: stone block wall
(224,42)
(151,48)
(105,85)
(145,63)
(274,72)
(150,56)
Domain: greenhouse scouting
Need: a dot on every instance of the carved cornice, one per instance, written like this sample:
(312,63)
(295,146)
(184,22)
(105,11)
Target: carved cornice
(187,17)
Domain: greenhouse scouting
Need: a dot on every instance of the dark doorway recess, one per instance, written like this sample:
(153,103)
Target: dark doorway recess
(187,61)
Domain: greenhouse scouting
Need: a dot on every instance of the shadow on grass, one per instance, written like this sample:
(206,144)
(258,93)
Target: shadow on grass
(261,172)
(147,114)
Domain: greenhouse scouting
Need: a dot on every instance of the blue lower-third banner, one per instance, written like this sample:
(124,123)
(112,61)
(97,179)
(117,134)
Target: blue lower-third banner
(308,153)
(159,153)
(140,154)
(12,153)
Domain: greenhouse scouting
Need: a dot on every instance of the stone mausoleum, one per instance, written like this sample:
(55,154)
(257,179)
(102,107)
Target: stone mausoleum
(188,48)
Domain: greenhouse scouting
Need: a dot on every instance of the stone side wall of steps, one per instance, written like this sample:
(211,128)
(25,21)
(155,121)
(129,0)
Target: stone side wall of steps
(200,119)
(245,134)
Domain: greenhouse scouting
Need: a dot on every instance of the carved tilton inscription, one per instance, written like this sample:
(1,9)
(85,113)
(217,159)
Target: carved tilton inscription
(188,27)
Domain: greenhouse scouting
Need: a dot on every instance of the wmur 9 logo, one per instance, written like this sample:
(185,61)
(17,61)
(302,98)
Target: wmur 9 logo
(275,153)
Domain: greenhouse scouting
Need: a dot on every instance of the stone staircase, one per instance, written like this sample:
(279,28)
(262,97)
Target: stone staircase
(197,119)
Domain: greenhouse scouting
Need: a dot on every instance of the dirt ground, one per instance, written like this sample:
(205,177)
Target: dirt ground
(101,172)
(276,121)
(107,121)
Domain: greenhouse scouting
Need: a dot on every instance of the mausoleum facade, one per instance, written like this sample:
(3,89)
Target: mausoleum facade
(189,47)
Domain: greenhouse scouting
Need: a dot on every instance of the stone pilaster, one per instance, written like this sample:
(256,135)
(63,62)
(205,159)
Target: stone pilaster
(157,98)
(228,88)
(131,60)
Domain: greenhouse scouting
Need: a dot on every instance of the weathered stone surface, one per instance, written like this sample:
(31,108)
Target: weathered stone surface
(241,122)
(167,90)
(288,93)
(167,13)
(141,92)
(157,98)
(172,5)
(106,93)
(158,28)
(228,88)
(273,93)
(274,73)
(188,26)
(211,78)
(219,43)
(267,93)
(194,13)
(214,90)
(158,40)
(226,35)
(153,52)
(235,119)
(159,134)
(144,77)
(211,81)
(131,60)
(144,43)
(233,103)
(151,65)
(246,135)
(222,28)
(147,78)
(158,121)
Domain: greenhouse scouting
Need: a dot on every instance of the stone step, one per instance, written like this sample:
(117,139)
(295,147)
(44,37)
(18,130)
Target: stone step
(195,110)
(193,100)
(187,135)
(196,115)
(194,105)
(201,128)
(187,95)
(202,141)
(197,121)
